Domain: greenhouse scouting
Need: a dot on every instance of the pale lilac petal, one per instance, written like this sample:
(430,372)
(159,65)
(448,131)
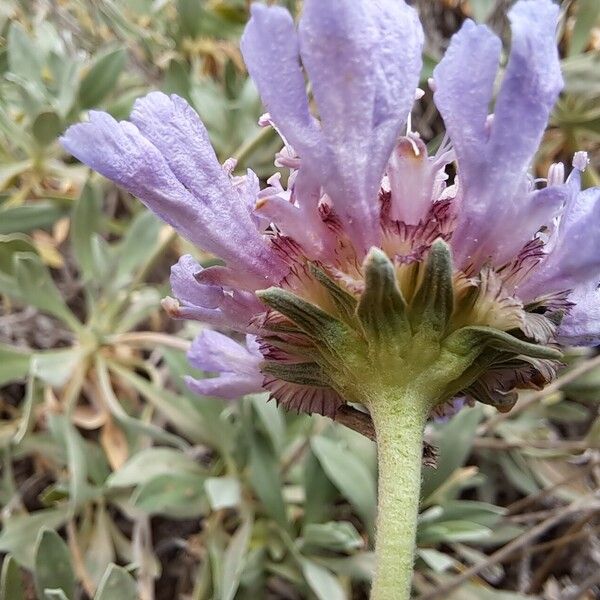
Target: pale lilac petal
(237,311)
(398,69)
(581,326)
(574,258)
(173,126)
(414,179)
(228,386)
(247,188)
(270,48)
(238,366)
(580,160)
(253,345)
(216,317)
(464,81)
(538,209)
(293,221)
(493,156)
(213,351)
(530,87)
(171,167)
(186,287)
(210,316)
(241,308)
(212,296)
(363,58)
(121,153)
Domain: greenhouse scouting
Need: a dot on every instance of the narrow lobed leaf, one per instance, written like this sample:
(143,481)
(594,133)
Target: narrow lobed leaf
(327,331)
(466,338)
(308,373)
(116,584)
(343,300)
(11,583)
(53,570)
(382,309)
(433,302)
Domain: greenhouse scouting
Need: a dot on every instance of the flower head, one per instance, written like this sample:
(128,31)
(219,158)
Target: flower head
(371,267)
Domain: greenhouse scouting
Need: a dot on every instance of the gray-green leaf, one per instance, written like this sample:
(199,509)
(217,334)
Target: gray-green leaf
(349,474)
(53,570)
(101,78)
(11,583)
(116,584)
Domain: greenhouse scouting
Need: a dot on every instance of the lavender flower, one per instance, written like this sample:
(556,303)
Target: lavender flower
(364,207)
(371,277)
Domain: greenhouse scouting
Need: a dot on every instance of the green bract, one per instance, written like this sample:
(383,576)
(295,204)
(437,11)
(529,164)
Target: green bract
(378,340)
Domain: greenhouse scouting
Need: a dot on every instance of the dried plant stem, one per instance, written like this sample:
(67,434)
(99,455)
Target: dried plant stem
(357,420)
(362,423)
(149,339)
(78,560)
(523,503)
(399,423)
(587,505)
(545,569)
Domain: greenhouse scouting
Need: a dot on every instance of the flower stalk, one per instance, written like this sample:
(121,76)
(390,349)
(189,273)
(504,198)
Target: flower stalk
(399,417)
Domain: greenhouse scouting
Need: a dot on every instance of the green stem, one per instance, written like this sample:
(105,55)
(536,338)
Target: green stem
(246,149)
(399,422)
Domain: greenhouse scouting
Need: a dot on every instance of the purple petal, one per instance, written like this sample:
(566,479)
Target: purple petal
(235,320)
(493,160)
(271,51)
(415,179)
(212,296)
(173,127)
(363,58)
(186,287)
(398,69)
(272,55)
(464,81)
(581,326)
(238,366)
(574,256)
(167,161)
(213,351)
(237,311)
(530,87)
(227,386)
(121,153)
(314,236)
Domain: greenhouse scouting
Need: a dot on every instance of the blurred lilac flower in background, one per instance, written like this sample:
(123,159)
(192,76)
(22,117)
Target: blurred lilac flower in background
(526,254)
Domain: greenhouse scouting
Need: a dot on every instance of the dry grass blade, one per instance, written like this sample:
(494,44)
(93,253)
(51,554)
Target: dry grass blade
(587,506)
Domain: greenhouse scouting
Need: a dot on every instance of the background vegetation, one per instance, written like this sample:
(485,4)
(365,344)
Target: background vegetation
(119,484)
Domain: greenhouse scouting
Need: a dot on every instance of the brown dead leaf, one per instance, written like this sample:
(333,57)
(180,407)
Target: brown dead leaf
(46,246)
(60,230)
(114,442)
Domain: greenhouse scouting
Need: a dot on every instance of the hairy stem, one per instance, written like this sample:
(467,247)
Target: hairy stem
(399,423)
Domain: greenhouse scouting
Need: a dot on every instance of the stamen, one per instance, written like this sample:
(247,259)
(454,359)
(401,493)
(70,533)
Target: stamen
(411,138)
(581,160)
(556,174)
(229,165)
(265,120)
(419,93)
(489,122)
